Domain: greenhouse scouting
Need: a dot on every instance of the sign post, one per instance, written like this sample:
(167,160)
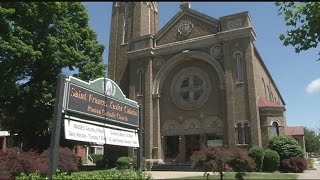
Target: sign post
(56,128)
(140,149)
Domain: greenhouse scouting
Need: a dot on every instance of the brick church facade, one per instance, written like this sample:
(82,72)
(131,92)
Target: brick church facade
(200,80)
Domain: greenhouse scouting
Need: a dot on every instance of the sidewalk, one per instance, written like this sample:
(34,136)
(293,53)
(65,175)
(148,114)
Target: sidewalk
(173,174)
(311,174)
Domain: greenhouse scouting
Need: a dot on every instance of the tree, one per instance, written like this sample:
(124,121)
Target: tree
(312,140)
(304,19)
(211,160)
(218,159)
(38,40)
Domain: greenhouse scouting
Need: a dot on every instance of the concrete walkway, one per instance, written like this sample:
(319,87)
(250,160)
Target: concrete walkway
(307,174)
(173,174)
(311,174)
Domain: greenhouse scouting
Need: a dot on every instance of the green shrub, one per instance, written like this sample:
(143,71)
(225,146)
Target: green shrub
(286,147)
(310,163)
(110,174)
(271,160)
(96,157)
(124,162)
(257,154)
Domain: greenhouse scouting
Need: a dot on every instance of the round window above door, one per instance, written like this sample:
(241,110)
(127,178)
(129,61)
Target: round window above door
(190,88)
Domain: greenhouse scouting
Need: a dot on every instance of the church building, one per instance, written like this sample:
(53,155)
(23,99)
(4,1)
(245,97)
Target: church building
(200,80)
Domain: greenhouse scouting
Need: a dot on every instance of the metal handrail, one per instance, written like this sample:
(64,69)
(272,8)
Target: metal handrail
(90,158)
(176,158)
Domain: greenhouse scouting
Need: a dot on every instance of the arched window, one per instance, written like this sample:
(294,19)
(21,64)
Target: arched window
(239,65)
(141,82)
(240,136)
(265,90)
(125,23)
(269,95)
(243,132)
(275,129)
(246,133)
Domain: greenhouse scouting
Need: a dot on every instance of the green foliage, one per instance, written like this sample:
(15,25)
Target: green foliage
(310,164)
(96,157)
(124,162)
(285,146)
(304,20)
(38,40)
(312,140)
(271,160)
(110,174)
(257,154)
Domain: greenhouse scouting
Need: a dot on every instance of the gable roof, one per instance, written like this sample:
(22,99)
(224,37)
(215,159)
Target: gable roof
(200,16)
(294,130)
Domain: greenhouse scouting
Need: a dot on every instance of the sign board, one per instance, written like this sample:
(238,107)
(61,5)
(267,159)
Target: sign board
(91,133)
(214,143)
(102,99)
(4,133)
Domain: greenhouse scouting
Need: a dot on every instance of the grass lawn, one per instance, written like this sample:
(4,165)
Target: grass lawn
(254,175)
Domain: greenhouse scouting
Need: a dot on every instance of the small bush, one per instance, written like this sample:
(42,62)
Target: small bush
(294,164)
(16,161)
(310,164)
(96,157)
(271,160)
(124,162)
(257,154)
(68,161)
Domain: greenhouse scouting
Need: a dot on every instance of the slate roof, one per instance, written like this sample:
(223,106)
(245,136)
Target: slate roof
(264,102)
(294,130)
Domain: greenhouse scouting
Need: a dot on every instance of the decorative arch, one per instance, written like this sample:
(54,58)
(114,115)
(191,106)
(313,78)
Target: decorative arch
(191,123)
(171,125)
(185,56)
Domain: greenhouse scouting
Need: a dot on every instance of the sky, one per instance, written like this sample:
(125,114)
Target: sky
(297,75)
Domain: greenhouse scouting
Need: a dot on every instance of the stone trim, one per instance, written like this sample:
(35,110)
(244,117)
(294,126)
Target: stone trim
(173,61)
(195,14)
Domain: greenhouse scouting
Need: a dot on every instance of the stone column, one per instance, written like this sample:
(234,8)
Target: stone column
(4,144)
(157,147)
(252,101)
(182,149)
(229,95)
(148,113)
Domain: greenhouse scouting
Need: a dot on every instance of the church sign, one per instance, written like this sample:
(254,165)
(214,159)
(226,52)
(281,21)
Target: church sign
(96,111)
(102,99)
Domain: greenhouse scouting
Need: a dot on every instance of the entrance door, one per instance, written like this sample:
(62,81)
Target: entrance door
(172,148)
(192,144)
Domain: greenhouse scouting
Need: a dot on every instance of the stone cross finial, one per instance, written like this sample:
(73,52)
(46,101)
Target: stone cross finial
(184,5)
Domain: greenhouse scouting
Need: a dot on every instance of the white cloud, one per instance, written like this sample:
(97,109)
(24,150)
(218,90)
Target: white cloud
(314,86)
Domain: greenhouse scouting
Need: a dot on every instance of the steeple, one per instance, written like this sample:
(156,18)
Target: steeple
(184,5)
(129,20)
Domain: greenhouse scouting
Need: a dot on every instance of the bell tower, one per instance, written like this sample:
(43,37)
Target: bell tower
(129,20)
